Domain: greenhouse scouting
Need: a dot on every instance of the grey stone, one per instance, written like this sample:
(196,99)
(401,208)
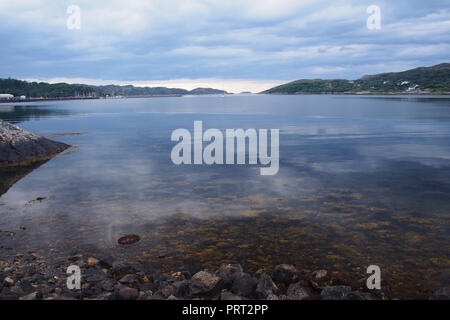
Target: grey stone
(108,285)
(205,283)
(182,289)
(265,286)
(284,273)
(17,290)
(319,275)
(105,296)
(92,275)
(441,294)
(297,292)
(17,145)
(121,269)
(128,294)
(144,287)
(156,277)
(155,297)
(8,282)
(358,295)
(335,293)
(129,279)
(227,295)
(31,296)
(8,296)
(106,262)
(167,290)
(228,273)
(244,285)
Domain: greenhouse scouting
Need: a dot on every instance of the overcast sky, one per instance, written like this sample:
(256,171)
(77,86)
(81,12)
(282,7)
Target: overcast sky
(226,44)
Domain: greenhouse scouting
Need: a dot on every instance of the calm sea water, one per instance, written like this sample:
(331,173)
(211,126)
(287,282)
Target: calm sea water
(362,180)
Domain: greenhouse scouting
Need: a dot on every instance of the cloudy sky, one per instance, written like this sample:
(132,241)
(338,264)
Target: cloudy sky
(227,44)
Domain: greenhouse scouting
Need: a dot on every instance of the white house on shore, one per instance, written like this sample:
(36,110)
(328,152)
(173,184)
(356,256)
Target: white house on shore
(6,96)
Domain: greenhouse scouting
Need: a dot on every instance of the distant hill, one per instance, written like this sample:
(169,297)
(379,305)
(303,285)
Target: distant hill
(149,91)
(435,79)
(43,89)
(57,90)
(206,91)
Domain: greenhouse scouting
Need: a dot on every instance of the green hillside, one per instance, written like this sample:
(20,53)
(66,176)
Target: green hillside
(58,90)
(43,89)
(435,79)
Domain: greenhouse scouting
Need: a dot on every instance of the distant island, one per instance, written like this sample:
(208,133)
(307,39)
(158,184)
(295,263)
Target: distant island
(13,89)
(422,80)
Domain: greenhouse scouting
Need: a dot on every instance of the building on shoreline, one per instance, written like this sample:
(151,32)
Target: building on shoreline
(6,96)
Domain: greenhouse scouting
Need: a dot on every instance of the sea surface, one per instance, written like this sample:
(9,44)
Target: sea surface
(363,180)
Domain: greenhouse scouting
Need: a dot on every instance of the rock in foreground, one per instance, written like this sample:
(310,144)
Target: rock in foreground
(18,145)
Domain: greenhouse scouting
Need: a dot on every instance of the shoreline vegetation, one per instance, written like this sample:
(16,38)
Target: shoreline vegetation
(434,80)
(8,101)
(13,90)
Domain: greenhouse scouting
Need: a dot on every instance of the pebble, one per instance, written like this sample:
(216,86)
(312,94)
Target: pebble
(335,293)
(29,277)
(128,294)
(92,262)
(8,282)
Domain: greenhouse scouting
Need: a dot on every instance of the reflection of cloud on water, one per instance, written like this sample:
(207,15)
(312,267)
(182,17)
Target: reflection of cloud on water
(425,154)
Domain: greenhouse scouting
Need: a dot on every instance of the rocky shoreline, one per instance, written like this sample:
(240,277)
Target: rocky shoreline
(18,146)
(29,277)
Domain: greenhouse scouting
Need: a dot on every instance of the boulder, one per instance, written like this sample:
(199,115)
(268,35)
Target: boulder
(182,289)
(265,286)
(319,275)
(244,285)
(296,292)
(18,145)
(318,279)
(284,273)
(228,273)
(205,283)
